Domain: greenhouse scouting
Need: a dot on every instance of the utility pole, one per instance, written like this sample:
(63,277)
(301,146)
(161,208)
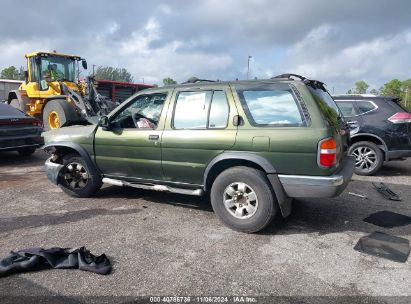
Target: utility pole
(93,69)
(248,66)
(406,96)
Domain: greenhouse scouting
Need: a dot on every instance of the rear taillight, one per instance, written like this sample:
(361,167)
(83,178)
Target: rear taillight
(327,152)
(400,117)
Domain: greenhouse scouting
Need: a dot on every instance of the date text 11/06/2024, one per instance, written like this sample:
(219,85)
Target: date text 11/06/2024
(204,299)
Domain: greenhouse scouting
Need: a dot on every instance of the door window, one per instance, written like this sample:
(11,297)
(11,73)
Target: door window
(218,111)
(142,113)
(201,110)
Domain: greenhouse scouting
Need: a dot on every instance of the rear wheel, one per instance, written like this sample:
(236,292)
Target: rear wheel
(77,178)
(26,151)
(56,113)
(243,199)
(368,157)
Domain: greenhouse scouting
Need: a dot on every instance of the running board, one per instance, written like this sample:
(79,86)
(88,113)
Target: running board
(116,182)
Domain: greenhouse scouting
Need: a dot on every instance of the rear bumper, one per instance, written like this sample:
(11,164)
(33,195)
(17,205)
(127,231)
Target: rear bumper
(11,144)
(319,186)
(52,170)
(398,154)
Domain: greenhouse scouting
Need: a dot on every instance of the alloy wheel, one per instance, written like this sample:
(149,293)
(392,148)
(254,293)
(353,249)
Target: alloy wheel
(76,175)
(240,200)
(365,158)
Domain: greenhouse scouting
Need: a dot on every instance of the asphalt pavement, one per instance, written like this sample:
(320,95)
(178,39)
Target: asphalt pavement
(173,245)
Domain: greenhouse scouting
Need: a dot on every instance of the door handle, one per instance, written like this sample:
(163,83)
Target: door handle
(153,137)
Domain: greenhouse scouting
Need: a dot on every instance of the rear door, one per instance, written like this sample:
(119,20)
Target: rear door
(199,126)
(350,111)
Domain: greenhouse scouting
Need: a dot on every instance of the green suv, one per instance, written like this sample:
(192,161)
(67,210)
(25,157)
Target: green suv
(251,145)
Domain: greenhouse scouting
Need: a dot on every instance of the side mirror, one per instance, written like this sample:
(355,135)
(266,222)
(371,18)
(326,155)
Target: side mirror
(26,76)
(84,64)
(104,123)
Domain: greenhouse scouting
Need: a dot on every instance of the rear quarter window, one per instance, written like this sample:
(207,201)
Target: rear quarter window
(365,106)
(271,106)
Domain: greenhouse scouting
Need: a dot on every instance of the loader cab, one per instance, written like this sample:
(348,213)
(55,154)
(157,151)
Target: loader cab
(46,70)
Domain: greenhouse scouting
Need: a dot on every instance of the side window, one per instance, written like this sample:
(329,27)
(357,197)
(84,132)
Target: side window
(142,113)
(218,111)
(365,106)
(201,110)
(271,107)
(347,108)
(191,110)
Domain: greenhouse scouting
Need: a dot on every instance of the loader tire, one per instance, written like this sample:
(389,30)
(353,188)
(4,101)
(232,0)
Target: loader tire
(57,113)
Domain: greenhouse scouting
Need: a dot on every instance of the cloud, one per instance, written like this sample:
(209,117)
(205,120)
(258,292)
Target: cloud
(376,60)
(333,41)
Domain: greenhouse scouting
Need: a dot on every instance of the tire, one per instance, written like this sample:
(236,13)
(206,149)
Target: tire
(26,151)
(368,157)
(239,215)
(72,179)
(57,113)
(15,103)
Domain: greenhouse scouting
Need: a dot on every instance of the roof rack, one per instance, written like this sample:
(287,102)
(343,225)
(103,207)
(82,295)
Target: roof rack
(195,80)
(310,82)
(288,76)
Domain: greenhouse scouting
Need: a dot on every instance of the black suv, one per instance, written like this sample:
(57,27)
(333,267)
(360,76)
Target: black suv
(383,132)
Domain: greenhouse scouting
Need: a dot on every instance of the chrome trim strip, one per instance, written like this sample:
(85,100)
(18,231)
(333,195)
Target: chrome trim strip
(307,180)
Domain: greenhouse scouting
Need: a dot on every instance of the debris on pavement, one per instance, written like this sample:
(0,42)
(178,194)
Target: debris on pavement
(358,195)
(58,258)
(386,192)
(388,219)
(385,246)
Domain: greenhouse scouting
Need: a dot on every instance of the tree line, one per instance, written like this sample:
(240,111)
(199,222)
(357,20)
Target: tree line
(394,87)
(101,73)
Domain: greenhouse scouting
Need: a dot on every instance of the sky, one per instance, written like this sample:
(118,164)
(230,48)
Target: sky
(338,42)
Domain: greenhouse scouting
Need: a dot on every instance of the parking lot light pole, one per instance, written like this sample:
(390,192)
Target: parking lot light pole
(248,66)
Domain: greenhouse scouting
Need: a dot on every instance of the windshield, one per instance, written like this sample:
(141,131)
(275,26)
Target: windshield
(58,68)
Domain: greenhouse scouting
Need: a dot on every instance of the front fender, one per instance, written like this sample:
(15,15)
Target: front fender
(79,149)
(52,170)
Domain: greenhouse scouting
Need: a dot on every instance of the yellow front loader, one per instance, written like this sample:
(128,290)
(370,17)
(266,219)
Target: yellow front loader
(53,92)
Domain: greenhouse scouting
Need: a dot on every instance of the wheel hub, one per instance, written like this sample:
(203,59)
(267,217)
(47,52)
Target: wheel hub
(240,200)
(76,175)
(54,120)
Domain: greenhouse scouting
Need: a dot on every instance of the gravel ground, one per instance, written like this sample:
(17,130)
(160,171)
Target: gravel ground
(165,244)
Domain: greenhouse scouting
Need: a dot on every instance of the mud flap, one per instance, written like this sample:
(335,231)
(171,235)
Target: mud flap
(284,201)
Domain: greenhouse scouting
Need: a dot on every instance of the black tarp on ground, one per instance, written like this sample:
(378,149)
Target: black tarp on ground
(388,219)
(385,246)
(58,258)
